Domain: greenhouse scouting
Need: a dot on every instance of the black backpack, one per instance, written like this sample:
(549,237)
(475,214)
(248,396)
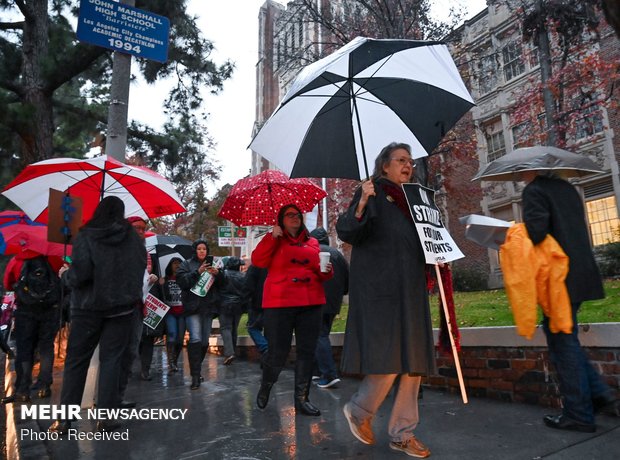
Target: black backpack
(37,284)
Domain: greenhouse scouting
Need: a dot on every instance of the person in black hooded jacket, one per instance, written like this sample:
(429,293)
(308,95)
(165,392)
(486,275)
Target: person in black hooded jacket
(105,276)
(335,289)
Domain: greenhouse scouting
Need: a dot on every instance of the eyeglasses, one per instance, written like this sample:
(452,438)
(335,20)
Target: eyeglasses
(404,161)
(292,215)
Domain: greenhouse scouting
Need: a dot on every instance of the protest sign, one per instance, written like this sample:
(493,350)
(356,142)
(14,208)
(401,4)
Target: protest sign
(437,244)
(206,280)
(155,311)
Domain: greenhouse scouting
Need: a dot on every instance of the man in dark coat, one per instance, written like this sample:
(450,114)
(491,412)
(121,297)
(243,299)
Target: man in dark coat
(36,323)
(105,278)
(552,206)
(335,289)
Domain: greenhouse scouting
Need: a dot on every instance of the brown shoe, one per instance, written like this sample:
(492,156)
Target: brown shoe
(412,447)
(361,429)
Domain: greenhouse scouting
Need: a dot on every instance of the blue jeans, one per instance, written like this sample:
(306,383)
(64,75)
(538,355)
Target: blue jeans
(175,328)
(199,327)
(255,329)
(35,330)
(323,353)
(579,381)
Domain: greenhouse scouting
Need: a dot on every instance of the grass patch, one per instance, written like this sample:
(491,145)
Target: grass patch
(491,308)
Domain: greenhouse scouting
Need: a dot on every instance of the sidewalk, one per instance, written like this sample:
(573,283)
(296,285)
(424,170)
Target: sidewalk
(222,422)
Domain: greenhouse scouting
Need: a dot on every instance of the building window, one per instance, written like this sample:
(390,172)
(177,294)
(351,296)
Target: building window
(589,122)
(521,135)
(487,77)
(513,61)
(496,147)
(603,220)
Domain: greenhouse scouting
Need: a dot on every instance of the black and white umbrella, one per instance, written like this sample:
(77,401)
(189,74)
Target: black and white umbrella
(164,248)
(343,109)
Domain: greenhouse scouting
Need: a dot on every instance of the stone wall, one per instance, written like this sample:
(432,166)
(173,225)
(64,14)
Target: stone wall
(496,363)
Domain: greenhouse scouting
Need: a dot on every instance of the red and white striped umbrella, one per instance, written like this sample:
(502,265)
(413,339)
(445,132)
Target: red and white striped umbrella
(144,192)
(256,200)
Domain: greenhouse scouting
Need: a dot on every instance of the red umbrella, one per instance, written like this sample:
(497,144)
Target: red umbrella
(15,217)
(27,241)
(144,192)
(256,200)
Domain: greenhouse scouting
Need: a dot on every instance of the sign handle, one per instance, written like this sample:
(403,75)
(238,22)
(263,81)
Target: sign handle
(455,354)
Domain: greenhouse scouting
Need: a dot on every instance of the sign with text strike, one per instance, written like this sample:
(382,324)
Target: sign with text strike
(437,244)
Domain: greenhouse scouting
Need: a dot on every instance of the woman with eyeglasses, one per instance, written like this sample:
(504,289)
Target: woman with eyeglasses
(293,296)
(389,334)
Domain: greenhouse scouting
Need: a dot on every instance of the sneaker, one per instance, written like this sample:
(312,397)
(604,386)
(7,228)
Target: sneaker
(412,447)
(361,430)
(327,383)
(316,378)
(229,360)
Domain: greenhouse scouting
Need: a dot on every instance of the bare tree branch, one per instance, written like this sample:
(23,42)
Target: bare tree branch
(12,25)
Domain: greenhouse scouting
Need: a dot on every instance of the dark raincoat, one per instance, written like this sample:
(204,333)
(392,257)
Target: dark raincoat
(554,207)
(389,328)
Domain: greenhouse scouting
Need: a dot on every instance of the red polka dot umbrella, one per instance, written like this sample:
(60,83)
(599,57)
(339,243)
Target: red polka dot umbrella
(256,200)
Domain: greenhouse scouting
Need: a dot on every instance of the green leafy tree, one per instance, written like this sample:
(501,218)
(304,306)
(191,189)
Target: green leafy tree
(54,91)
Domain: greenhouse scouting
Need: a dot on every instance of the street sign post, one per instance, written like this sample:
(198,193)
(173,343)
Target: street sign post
(224,237)
(124,28)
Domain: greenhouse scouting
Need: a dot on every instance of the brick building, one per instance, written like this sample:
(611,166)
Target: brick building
(497,65)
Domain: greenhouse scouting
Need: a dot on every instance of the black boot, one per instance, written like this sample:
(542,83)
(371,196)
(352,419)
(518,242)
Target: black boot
(303,376)
(193,356)
(172,357)
(270,376)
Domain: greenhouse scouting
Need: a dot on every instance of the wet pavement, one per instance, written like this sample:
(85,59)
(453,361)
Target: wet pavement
(222,422)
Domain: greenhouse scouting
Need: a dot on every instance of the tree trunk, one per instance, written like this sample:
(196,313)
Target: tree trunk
(37,131)
(544,58)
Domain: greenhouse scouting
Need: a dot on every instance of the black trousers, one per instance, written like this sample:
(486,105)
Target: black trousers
(280,323)
(35,330)
(89,329)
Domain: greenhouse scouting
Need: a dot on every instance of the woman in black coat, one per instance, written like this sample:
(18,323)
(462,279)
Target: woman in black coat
(389,332)
(198,309)
(552,206)
(105,277)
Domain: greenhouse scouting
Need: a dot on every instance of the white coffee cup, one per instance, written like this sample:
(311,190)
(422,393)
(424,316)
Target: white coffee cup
(324,258)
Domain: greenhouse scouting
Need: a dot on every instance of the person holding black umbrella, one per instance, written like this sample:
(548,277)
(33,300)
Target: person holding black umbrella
(389,335)
(552,206)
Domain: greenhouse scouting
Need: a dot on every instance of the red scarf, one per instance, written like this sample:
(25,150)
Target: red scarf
(394,194)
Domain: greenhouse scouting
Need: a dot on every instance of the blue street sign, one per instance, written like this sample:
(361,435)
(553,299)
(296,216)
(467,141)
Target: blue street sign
(124,28)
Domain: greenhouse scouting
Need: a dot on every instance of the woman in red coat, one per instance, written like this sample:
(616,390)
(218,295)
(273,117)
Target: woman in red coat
(292,300)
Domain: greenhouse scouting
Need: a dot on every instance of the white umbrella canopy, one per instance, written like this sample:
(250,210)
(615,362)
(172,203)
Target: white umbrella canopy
(343,109)
(538,158)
